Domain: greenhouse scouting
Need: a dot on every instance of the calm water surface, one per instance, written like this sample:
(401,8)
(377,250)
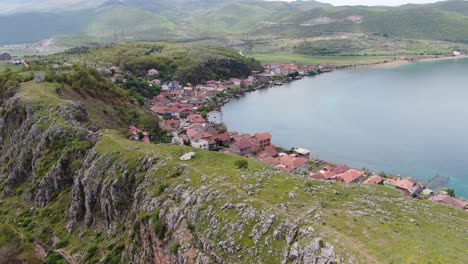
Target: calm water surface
(409,120)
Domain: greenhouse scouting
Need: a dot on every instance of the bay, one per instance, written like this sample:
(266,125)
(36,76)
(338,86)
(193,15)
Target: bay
(410,120)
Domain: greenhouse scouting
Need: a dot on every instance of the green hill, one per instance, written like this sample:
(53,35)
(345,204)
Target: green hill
(187,63)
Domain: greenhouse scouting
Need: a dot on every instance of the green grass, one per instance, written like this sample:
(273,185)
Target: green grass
(313,60)
(7,65)
(385,229)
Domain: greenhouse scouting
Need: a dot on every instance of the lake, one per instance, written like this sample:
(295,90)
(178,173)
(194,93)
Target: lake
(410,120)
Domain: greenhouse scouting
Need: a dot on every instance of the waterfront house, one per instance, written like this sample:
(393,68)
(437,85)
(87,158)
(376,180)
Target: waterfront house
(323,175)
(290,163)
(406,186)
(242,137)
(450,201)
(235,81)
(261,140)
(303,153)
(375,179)
(241,148)
(268,152)
(215,117)
(341,169)
(350,176)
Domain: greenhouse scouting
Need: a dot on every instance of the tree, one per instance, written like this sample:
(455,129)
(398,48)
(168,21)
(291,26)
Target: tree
(242,164)
(451,192)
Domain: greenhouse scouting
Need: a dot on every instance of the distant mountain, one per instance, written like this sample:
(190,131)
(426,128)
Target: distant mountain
(165,20)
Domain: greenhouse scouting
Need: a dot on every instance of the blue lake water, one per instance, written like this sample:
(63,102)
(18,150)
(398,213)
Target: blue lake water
(410,120)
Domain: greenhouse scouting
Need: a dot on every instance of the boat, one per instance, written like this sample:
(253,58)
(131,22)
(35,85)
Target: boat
(278,83)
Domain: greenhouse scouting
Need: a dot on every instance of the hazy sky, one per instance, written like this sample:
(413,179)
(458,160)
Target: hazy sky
(377,2)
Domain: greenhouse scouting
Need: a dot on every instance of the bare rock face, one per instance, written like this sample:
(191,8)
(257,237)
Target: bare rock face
(187,222)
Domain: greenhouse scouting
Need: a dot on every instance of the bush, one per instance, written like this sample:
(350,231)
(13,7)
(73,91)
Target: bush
(175,248)
(55,258)
(159,226)
(242,164)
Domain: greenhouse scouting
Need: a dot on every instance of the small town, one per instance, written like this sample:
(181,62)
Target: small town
(192,117)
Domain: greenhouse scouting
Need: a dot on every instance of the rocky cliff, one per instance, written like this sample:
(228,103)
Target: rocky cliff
(95,197)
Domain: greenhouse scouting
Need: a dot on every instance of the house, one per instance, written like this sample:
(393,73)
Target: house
(173,123)
(200,144)
(222,139)
(152,72)
(5,57)
(215,117)
(260,141)
(350,176)
(197,103)
(303,153)
(450,201)
(406,186)
(196,118)
(323,175)
(341,169)
(268,152)
(235,81)
(171,86)
(185,112)
(241,148)
(242,137)
(375,179)
(289,163)
(133,132)
(145,138)
(427,192)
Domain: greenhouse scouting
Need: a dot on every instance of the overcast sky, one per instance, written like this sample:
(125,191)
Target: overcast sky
(376,2)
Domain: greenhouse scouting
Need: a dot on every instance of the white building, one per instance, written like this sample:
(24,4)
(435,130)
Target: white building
(215,117)
(200,144)
(304,153)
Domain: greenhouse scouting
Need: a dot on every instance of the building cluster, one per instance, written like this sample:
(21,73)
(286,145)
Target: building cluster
(184,115)
(406,186)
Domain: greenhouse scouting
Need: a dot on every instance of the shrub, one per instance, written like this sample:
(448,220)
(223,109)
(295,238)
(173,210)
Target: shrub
(55,258)
(242,164)
(175,248)
(159,226)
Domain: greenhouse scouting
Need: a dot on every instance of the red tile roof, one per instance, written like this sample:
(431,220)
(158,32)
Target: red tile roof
(262,136)
(341,169)
(243,144)
(402,184)
(376,179)
(291,163)
(448,200)
(349,176)
(318,176)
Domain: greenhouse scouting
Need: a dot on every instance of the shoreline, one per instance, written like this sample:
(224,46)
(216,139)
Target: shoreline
(390,64)
(398,63)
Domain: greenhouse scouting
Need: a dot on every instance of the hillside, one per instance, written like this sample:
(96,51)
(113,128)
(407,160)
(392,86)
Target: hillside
(183,62)
(77,191)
